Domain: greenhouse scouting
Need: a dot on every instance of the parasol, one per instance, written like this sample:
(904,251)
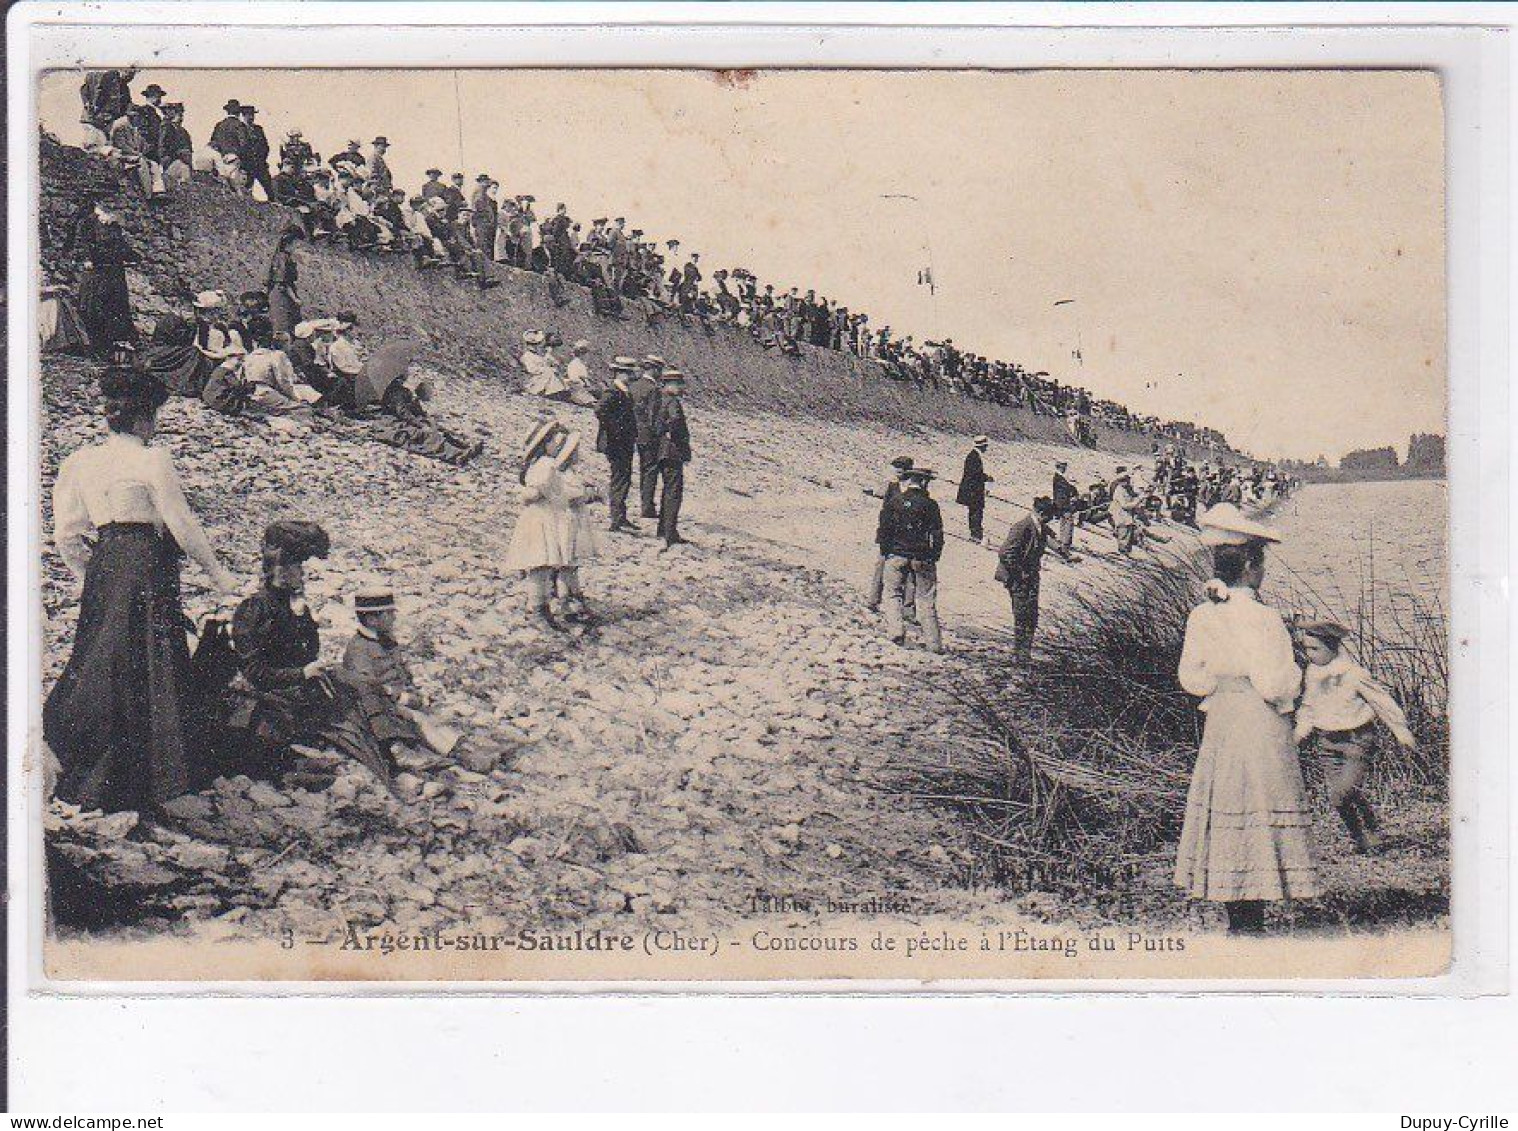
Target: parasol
(383,367)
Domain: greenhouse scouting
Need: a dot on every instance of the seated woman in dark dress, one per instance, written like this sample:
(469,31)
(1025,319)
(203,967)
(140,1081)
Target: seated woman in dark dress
(282,694)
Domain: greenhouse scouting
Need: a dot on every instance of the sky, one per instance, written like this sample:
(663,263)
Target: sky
(1258,251)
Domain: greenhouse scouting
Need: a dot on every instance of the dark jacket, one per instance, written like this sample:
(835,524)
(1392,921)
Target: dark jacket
(229,136)
(911,526)
(973,480)
(672,432)
(255,147)
(618,433)
(645,400)
(1063,494)
(1021,555)
(174,144)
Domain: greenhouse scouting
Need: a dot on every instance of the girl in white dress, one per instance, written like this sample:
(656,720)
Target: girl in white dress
(538,543)
(1246,835)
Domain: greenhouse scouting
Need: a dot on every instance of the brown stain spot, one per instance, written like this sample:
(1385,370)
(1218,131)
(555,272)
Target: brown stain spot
(736,79)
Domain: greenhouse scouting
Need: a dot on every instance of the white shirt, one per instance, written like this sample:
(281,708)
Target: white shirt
(343,356)
(1239,639)
(1341,695)
(270,367)
(124,480)
(577,372)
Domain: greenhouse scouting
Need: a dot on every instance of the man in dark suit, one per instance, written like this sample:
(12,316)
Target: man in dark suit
(484,213)
(900,466)
(972,487)
(453,198)
(255,152)
(673,437)
(1019,563)
(1063,499)
(645,398)
(227,135)
(617,440)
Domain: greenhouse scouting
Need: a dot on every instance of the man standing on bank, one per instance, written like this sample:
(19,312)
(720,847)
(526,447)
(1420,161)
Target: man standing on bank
(644,391)
(672,434)
(617,440)
(1063,498)
(972,487)
(911,538)
(900,466)
(1019,563)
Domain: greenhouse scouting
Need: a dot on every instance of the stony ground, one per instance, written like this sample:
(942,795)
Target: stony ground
(729,730)
(732,729)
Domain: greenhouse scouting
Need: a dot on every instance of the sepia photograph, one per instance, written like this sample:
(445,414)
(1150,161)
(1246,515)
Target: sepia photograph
(767,525)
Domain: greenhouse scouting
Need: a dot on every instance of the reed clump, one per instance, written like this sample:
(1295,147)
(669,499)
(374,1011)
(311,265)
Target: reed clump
(1074,774)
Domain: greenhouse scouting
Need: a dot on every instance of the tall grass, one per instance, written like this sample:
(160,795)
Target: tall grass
(1076,771)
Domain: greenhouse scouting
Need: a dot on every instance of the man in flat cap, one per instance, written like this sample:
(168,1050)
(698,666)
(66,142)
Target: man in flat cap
(380,178)
(1019,565)
(453,197)
(899,468)
(1063,498)
(672,433)
(254,152)
(910,536)
(617,440)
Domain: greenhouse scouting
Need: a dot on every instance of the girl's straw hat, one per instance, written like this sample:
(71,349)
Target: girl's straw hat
(567,452)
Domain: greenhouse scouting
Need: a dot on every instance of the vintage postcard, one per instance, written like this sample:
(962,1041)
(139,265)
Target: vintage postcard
(508,525)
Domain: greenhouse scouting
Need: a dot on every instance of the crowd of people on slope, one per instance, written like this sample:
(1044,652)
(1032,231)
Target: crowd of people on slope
(136,720)
(477,231)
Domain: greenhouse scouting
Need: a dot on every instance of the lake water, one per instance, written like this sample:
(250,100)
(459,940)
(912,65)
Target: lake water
(1362,552)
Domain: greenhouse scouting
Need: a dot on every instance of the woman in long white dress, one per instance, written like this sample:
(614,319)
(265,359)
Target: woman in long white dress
(1246,836)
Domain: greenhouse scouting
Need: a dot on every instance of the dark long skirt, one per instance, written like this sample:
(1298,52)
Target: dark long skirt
(284,311)
(123,719)
(105,307)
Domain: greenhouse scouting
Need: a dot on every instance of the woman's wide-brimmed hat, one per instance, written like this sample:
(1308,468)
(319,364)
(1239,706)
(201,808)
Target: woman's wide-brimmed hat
(296,539)
(1225,525)
(209,300)
(533,337)
(315,326)
(537,440)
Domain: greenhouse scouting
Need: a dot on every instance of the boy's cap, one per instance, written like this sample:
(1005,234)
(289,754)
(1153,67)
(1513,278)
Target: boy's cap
(1331,631)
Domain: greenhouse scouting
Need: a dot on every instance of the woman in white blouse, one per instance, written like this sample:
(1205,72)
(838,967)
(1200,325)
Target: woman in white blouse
(1246,834)
(122,719)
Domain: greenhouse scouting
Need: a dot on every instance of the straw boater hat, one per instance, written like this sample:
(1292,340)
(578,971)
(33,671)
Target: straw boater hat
(1225,525)
(209,300)
(982,441)
(374,596)
(654,361)
(672,377)
(624,364)
(533,337)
